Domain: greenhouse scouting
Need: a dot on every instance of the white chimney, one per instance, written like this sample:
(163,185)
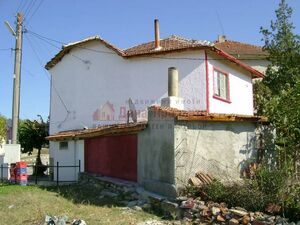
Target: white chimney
(221,38)
(173,101)
(156,34)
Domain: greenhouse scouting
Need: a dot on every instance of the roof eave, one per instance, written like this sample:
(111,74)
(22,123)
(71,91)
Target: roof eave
(67,48)
(255,73)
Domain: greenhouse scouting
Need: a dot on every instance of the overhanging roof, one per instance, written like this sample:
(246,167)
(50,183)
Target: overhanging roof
(107,130)
(183,115)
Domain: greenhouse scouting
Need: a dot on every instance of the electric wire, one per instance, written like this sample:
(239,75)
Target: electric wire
(29,8)
(57,47)
(35,11)
(148,56)
(47,75)
(6,49)
(21,5)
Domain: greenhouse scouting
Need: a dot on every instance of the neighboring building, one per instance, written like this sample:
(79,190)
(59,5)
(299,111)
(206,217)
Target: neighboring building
(252,55)
(92,80)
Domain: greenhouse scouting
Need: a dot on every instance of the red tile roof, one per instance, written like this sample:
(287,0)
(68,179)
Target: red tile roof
(107,130)
(183,115)
(242,50)
(168,45)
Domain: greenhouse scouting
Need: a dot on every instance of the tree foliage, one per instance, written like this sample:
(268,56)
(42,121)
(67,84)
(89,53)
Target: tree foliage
(283,47)
(32,135)
(278,95)
(2,127)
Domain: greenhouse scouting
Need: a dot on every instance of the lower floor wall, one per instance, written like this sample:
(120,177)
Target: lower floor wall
(69,156)
(222,149)
(172,152)
(165,155)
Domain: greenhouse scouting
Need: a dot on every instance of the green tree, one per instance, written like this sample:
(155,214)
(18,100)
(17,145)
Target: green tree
(32,135)
(2,128)
(283,47)
(278,95)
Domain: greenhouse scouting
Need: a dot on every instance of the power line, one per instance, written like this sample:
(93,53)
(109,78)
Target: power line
(147,56)
(29,8)
(34,12)
(47,75)
(64,44)
(74,56)
(6,49)
(21,5)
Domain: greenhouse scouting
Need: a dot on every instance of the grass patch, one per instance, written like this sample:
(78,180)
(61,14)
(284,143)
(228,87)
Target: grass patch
(30,204)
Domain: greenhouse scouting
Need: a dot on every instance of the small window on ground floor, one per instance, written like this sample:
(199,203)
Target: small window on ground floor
(63,145)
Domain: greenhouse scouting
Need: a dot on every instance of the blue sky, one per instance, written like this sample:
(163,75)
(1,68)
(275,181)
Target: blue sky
(123,23)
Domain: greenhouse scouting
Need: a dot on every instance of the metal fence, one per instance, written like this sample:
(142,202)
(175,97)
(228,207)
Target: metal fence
(51,174)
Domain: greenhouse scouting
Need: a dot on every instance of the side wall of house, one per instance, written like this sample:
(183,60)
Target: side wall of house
(67,157)
(156,155)
(260,65)
(93,87)
(240,88)
(218,148)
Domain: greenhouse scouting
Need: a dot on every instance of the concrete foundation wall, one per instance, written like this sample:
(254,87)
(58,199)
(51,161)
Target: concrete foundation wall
(156,156)
(67,157)
(218,148)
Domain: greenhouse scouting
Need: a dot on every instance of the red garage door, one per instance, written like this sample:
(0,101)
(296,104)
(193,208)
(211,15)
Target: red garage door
(114,156)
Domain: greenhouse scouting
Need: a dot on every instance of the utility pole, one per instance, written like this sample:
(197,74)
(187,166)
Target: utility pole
(17,79)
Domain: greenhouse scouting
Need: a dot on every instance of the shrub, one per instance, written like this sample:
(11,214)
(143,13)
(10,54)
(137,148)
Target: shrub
(271,186)
(246,195)
(271,181)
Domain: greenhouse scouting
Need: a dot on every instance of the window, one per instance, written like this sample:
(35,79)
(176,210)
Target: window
(221,86)
(63,145)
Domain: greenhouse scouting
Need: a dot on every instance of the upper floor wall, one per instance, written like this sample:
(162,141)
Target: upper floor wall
(91,85)
(95,85)
(237,85)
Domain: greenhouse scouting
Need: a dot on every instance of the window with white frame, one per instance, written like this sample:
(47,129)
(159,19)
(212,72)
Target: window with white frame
(63,145)
(221,85)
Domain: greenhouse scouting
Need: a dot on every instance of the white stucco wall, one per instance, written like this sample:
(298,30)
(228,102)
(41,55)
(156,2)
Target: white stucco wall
(85,87)
(240,88)
(67,157)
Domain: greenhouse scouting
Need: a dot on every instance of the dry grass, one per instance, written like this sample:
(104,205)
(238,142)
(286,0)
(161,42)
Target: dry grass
(29,205)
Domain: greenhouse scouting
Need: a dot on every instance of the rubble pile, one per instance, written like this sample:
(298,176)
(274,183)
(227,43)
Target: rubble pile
(185,210)
(197,211)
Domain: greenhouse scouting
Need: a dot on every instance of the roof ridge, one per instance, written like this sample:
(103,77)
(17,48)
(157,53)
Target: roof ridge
(239,42)
(94,37)
(190,40)
(178,38)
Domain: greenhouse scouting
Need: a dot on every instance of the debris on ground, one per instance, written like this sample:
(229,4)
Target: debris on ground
(200,179)
(78,222)
(62,220)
